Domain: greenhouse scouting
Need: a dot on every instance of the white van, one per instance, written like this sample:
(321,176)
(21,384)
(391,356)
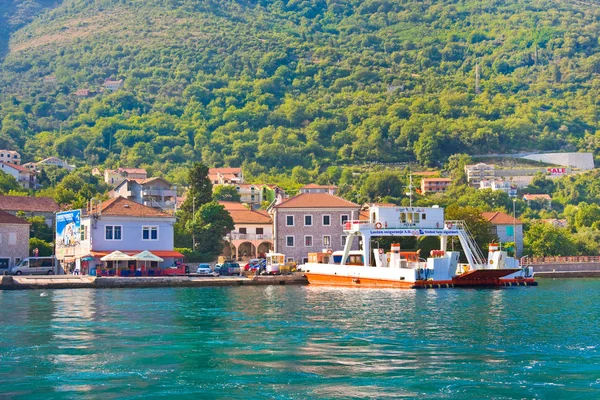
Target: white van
(36,266)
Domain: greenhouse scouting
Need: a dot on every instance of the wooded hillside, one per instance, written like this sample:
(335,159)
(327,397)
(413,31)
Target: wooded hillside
(275,84)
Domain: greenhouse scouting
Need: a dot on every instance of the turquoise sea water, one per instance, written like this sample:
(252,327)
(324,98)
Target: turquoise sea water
(283,342)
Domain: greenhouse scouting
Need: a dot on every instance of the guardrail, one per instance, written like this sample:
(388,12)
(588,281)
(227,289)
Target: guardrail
(560,260)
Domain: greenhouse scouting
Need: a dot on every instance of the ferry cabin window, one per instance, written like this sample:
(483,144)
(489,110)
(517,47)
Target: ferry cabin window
(416,218)
(289,220)
(308,220)
(423,216)
(289,241)
(403,218)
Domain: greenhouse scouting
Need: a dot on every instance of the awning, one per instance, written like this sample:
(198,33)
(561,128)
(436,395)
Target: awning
(159,253)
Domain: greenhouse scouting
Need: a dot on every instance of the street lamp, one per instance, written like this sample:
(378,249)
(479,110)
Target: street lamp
(515,225)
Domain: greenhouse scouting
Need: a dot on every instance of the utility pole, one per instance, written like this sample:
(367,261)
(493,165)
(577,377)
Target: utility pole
(410,188)
(193,227)
(477,89)
(515,225)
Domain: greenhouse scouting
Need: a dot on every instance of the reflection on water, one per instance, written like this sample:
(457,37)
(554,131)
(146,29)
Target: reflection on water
(302,342)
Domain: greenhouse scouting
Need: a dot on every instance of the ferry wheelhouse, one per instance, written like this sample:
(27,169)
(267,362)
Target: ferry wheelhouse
(378,267)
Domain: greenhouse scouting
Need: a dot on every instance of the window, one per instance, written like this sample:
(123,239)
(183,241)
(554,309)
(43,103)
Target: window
(113,232)
(308,241)
(84,233)
(327,241)
(308,220)
(326,220)
(423,216)
(289,220)
(344,238)
(344,218)
(12,238)
(150,233)
(243,231)
(260,231)
(510,231)
(289,241)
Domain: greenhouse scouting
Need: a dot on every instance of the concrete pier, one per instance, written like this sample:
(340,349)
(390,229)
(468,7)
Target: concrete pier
(567,270)
(92,282)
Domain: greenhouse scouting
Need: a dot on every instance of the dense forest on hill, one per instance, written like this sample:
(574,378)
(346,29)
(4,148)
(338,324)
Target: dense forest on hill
(313,83)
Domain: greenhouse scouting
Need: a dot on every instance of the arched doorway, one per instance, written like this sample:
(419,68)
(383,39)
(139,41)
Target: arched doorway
(264,248)
(229,251)
(246,251)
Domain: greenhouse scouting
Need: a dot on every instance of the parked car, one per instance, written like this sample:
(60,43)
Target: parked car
(206,270)
(228,268)
(253,265)
(36,266)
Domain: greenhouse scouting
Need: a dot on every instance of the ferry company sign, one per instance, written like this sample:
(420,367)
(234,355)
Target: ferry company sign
(414,232)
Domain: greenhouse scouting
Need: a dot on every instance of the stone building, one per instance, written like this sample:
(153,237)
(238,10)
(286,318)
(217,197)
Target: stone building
(311,222)
(14,240)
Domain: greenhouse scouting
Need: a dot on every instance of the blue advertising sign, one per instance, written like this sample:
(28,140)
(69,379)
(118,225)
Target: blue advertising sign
(68,225)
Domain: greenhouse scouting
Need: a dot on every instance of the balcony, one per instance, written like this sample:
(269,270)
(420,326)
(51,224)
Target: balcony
(248,236)
(159,192)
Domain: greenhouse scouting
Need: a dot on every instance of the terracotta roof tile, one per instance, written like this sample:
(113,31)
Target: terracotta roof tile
(537,197)
(249,217)
(224,170)
(19,168)
(120,206)
(316,200)
(315,186)
(500,218)
(6,218)
(233,205)
(28,204)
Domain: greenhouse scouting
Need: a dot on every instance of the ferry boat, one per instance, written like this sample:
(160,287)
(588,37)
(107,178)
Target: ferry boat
(396,269)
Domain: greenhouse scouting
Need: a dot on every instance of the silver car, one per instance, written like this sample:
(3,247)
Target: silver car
(206,270)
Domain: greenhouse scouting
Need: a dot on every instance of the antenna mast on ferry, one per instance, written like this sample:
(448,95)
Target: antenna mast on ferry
(410,188)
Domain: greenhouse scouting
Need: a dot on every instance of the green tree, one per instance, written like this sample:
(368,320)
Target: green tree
(543,239)
(45,249)
(381,185)
(40,230)
(8,183)
(199,192)
(226,193)
(210,224)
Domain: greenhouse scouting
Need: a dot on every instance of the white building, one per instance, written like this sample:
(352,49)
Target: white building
(152,192)
(24,176)
(478,172)
(499,184)
(10,157)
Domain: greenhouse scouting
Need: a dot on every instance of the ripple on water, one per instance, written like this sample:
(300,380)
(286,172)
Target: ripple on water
(302,342)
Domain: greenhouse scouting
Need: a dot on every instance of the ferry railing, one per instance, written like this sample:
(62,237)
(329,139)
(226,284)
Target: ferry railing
(561,259)
(469,239)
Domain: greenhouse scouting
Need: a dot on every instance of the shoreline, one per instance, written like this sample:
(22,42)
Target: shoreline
(36,282)
(33,282)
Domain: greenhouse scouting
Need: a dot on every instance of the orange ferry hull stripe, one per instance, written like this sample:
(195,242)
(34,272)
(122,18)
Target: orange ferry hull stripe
(349,281)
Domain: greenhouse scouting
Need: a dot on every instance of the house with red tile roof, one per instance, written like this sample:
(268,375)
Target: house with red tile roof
(32,207)
(224,176)
(506,227)
(252,236)
(435,185)
(311,222)
(24,176)
(14,240)
(116,176)
(124,225)
(543,199)
(152,192)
